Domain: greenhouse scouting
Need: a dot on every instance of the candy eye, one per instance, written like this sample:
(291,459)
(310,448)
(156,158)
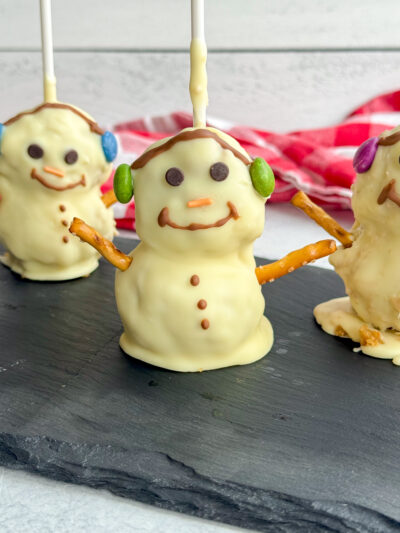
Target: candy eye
(219,171)
(71,157)
(174,176)
(35,151)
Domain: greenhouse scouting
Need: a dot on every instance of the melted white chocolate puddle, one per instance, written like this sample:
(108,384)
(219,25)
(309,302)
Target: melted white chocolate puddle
(337,315)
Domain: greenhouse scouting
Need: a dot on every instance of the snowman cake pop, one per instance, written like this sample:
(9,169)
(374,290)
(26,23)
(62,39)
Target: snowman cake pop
(189,295)
(369,262)
(53,160)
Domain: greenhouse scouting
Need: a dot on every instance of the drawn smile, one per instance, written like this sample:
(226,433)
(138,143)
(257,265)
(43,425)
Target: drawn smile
(389,191)
(40,179)
(164,220)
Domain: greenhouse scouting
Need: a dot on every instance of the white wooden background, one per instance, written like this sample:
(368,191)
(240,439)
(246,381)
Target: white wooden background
(275,64)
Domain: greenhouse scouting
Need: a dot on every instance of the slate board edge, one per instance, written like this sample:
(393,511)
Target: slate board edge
(194,494)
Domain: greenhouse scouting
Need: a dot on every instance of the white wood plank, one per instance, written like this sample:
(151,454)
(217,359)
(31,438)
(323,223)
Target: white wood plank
(230,24)
(274,91)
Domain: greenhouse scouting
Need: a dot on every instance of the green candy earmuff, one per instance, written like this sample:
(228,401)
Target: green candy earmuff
(123,183)
(262,177)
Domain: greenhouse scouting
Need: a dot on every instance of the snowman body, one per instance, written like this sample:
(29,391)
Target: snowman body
(370,271)
(34,230)
(192,313)
(370,314)
(370,267)
(190,300)
(51,168)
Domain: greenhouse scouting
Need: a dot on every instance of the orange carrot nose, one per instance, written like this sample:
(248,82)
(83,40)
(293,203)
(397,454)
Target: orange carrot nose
(54,171)
(199,202)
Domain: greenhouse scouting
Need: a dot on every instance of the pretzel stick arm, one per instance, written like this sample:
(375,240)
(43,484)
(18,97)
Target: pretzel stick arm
(109,198)
(294,260)
(321,217)
(103,246)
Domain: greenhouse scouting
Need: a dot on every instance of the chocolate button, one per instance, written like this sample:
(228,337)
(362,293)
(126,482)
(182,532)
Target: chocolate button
(205,324)
(35,151)
(219,171)
(65,239)
(174,176)
(195,280)
(71,157)
(62,207)
(201,304)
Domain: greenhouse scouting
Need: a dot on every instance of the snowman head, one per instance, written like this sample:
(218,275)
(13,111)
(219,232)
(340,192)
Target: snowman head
(55,148)
(376,191)
(194,193)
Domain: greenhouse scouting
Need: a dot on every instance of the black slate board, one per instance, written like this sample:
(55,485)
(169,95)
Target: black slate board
(306,439)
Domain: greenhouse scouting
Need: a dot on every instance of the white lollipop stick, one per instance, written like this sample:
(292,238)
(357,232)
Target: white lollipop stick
(198,19)
(198,72)
(49,79)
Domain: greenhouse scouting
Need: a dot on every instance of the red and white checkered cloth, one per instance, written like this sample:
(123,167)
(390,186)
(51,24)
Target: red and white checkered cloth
(317,161)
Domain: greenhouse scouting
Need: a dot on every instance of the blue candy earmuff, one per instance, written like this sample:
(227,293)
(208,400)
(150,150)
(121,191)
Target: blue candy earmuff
(2,128)
(109,145)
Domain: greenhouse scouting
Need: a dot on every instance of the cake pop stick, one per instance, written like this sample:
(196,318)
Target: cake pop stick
(105,247)
(321,217)
(294,260)
(198,72)
(49,79)
(109,198)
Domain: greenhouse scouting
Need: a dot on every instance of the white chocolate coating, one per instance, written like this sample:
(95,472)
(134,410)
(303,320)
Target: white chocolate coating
(34,217)
(50,88)
(198,81)
(370,267)
(157,302)
(338,313)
